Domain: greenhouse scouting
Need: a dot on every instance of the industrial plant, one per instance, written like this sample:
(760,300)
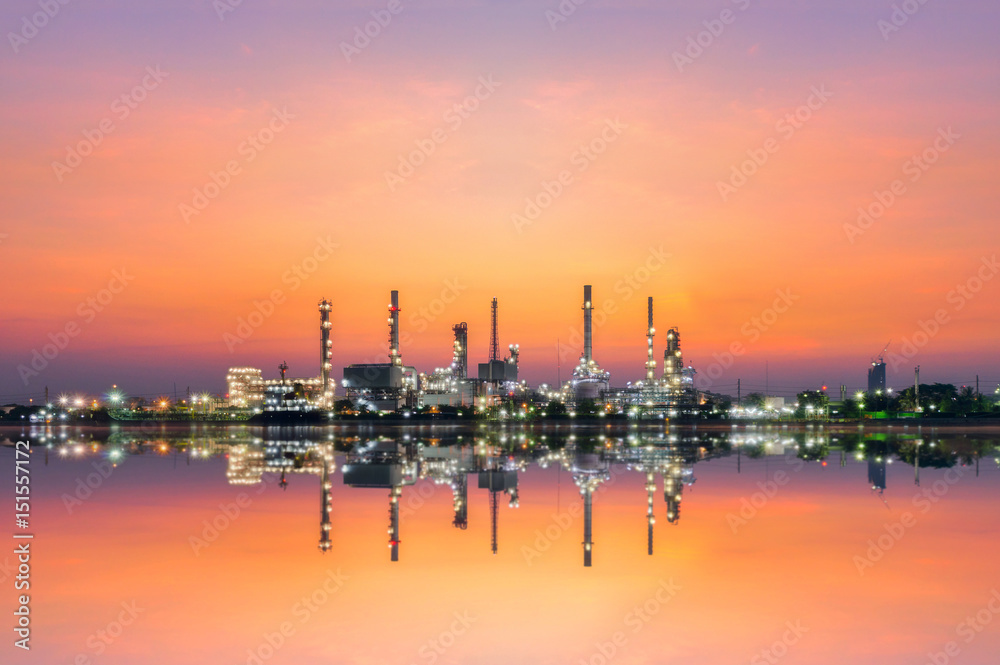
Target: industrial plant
(393,386)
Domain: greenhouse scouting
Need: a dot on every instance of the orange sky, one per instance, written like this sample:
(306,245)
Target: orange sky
(655,186)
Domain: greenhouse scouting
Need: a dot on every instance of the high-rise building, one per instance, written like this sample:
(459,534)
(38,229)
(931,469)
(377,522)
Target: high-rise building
(876,377)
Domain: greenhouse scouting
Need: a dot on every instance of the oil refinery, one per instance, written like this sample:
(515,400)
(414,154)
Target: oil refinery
(393,386)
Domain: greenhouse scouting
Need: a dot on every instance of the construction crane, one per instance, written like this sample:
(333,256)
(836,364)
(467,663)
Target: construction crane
(881,355)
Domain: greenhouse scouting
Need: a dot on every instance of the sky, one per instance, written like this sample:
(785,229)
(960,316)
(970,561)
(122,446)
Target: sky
(174,172)
(128,543)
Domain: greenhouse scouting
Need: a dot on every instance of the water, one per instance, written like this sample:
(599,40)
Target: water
(216,545)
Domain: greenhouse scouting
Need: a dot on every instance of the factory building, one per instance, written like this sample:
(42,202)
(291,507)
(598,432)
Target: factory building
(249,390)
(245,386)
(449,386)
(383,386)
(501,371)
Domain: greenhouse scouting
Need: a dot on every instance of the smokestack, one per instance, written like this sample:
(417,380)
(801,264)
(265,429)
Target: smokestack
(394,356)
(588,333)
(325,345)
(494,333)
(588,524)
(650,361)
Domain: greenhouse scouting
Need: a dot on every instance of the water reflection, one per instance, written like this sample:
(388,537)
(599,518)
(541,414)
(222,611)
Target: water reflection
(394,460)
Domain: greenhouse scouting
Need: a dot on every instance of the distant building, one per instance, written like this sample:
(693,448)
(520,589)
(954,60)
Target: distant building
(774,403)
(876,377)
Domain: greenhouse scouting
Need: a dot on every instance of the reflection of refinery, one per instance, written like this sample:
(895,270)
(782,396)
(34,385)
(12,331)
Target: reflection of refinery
(393,465)
(393,386)
(411,470)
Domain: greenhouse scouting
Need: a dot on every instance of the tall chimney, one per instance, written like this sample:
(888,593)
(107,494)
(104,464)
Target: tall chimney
(588,333)
(650,361)
(325,345)
(394,356)
(494,332)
